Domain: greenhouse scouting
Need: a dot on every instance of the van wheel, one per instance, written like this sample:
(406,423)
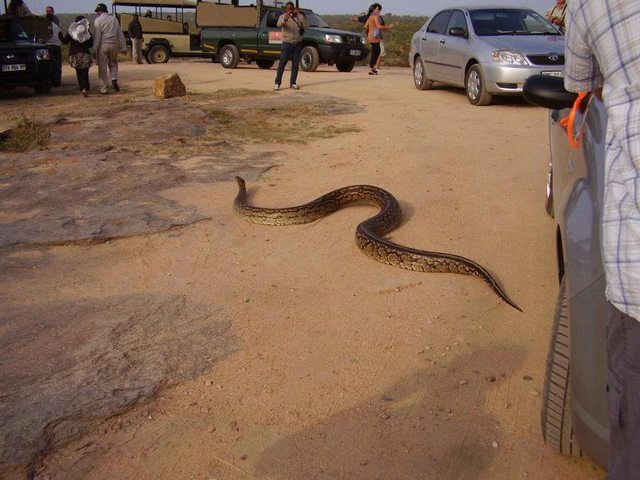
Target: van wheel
(345,66)
(265,64)
(476,89)
(158,54)
(557,427)
(309,59)
(229,56)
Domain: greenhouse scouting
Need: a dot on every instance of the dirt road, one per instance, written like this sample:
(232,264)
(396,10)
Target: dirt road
(151,333)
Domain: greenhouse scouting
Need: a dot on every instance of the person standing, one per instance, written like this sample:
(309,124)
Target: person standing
(383,51)
(557,13)
(135,34)
(80,42)
(55,49)
(293,23)
(602,55)
(108,41)
(50,14)
(374,28)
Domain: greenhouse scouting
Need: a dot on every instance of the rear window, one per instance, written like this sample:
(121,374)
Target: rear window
(487,22)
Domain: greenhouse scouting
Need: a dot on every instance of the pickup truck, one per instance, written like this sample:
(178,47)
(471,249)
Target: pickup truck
(232,32)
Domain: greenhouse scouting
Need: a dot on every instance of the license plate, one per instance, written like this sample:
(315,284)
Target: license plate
(552,74)
(354,53)
(14,67)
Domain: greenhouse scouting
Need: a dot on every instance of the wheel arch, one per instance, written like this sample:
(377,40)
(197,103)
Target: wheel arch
(159,41)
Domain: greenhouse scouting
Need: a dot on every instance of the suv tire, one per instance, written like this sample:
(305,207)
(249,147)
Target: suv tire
(229,56)
(345,66)
(265,64)
(309,59)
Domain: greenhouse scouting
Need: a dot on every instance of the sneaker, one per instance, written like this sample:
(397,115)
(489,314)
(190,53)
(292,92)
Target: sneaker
(294,87)
(103,90)
(85,92)
(116,87)
(276,87)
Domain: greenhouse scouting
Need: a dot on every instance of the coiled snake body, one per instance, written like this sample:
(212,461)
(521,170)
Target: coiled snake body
(368,233)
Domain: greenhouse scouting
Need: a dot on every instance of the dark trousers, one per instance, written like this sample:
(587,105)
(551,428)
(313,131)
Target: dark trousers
(375,54)
(623,351)
(56,64)
(83,78)
(289,50)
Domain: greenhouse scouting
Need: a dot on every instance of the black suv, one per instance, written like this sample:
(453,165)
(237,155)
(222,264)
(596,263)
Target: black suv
(23,62)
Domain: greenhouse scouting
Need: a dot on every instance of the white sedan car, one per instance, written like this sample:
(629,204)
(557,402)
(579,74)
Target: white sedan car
(488,51)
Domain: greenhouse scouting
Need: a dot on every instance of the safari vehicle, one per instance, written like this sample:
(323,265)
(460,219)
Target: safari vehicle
(233,32)
(24,62)
(164,27)
(575,418)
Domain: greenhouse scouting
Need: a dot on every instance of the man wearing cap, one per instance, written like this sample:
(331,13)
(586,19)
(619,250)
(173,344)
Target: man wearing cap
(108,41)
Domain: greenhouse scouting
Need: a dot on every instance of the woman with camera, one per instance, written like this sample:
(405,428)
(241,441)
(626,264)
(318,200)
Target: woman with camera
(293,23)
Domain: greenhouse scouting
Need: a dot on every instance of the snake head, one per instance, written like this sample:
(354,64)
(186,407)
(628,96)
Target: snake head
(241,184)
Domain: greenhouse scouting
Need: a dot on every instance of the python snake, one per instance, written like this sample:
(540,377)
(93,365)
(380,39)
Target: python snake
(368,233)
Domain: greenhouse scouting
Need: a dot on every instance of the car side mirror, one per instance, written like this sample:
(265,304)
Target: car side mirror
(548,92)
(457,32)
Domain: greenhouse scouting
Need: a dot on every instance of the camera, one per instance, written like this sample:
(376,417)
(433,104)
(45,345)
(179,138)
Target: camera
(291,14)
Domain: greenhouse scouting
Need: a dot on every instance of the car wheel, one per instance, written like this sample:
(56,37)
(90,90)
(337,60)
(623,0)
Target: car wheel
(476,91)
(158,54)
(43,87)
(229,56)
(345,66)
(557,427)
(309,59)
(265,64)
(420,78)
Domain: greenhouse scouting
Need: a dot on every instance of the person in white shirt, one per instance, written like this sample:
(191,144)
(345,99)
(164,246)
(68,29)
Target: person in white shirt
(55,49)
(108,41)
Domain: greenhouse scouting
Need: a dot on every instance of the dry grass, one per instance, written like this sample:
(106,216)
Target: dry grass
(287,123)
(28,134)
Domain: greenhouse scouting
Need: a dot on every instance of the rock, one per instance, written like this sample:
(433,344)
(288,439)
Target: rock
(169,85)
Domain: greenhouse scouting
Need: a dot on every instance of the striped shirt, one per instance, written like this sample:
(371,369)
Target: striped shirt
(603,49)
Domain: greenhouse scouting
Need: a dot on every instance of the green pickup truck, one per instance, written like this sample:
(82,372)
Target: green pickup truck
(232,32)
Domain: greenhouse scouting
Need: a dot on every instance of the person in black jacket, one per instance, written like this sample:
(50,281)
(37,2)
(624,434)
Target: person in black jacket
(80,42)
(135,34)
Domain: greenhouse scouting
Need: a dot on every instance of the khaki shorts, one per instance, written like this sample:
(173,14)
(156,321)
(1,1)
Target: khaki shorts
(623,351)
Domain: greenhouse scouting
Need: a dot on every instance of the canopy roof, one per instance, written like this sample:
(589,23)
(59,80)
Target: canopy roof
(156,3)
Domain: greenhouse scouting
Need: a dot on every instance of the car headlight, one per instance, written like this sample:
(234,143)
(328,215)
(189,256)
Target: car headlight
(333,38)
(508,57)
(43,54)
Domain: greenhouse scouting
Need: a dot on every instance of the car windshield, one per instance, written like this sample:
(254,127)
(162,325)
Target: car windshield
(315,20)
(503,21)
(11,31)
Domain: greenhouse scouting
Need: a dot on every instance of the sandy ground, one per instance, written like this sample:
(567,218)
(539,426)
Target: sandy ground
(329,364)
